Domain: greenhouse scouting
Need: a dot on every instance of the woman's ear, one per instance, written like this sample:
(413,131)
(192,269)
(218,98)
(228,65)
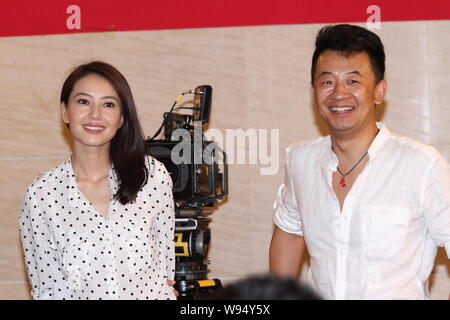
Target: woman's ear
(64,114)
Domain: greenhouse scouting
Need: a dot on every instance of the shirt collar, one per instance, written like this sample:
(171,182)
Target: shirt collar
(379,140)
(375,146)
(113,179)
(75,193)
(332,158)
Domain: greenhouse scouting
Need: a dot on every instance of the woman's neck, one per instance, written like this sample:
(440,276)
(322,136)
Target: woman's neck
(92,164)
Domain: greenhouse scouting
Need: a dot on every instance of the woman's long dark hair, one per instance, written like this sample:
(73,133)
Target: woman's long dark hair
(127,149)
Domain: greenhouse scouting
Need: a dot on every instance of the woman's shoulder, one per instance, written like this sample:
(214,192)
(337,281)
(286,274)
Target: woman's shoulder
(155,166)
(157,170)
(56,175)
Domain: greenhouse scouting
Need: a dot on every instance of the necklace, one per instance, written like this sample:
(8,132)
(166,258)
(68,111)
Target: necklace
(342,181)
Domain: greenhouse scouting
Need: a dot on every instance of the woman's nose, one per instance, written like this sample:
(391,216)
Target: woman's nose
(96,110)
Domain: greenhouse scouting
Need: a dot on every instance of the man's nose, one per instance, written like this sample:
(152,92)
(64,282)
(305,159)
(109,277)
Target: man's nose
(340,91)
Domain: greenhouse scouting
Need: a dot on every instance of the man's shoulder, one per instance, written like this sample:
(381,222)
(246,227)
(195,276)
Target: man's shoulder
(308,147)
(414,149)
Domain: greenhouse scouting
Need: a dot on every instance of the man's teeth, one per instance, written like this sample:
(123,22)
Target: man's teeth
(341,109)
(93,128)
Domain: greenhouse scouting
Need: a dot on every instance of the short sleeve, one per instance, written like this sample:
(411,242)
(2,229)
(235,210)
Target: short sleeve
(436,202)
(37,246)
(287,214)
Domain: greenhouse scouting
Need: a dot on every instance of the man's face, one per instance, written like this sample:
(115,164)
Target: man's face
(345,91)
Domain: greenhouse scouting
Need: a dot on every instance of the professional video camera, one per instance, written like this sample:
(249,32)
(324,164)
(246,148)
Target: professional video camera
(198,185)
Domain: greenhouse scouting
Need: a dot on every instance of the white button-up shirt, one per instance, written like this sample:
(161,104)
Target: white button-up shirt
(384,242)
(73,252)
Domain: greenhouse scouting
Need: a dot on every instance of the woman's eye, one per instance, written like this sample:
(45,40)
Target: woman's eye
(82,101)
(109,104)
(353,81)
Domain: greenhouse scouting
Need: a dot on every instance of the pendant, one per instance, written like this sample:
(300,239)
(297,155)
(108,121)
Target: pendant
(342,182)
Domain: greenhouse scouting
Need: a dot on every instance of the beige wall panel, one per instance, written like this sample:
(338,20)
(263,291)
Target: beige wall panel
(11,257)
(30,82)
(439,73)
(231,236)
(261,80)
(28,123)
(417,65)
(439,280)
(406,71)
(263,194)
(12,265)
(14,290)
(279,80)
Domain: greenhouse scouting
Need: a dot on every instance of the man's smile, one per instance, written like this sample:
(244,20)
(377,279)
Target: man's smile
(341,108)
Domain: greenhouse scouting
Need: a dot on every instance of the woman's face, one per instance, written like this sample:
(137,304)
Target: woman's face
(93,112)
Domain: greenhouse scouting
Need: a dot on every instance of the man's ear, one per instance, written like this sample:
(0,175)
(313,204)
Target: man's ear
(313,94)
(380,91)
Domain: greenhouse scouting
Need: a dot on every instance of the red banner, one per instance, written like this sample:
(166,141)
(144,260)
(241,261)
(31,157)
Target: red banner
(52,17)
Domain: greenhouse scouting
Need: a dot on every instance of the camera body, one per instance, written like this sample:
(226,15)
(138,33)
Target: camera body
(198,186)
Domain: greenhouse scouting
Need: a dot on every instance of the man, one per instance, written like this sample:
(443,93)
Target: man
(370,206)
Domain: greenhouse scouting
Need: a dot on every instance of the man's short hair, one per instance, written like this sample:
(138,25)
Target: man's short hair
(349,39)
(265,287)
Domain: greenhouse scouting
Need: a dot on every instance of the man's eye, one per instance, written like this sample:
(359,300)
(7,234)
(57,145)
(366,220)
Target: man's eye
(82,101)
(353,81)
(327,82)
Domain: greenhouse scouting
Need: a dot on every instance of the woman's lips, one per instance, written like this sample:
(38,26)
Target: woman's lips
(93,129)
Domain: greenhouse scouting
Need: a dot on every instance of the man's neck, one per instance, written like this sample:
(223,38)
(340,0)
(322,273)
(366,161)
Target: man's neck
(349,148)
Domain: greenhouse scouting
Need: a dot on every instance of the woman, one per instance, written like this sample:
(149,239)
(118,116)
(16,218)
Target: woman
(101,224)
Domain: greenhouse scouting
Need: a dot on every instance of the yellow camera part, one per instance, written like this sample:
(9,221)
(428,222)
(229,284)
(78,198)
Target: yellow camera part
(180,244)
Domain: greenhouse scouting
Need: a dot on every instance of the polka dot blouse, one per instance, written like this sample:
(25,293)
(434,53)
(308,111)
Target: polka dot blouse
(73,252)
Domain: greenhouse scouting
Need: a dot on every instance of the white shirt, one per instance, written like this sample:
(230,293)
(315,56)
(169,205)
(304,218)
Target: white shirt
(383,243)
(73,252)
